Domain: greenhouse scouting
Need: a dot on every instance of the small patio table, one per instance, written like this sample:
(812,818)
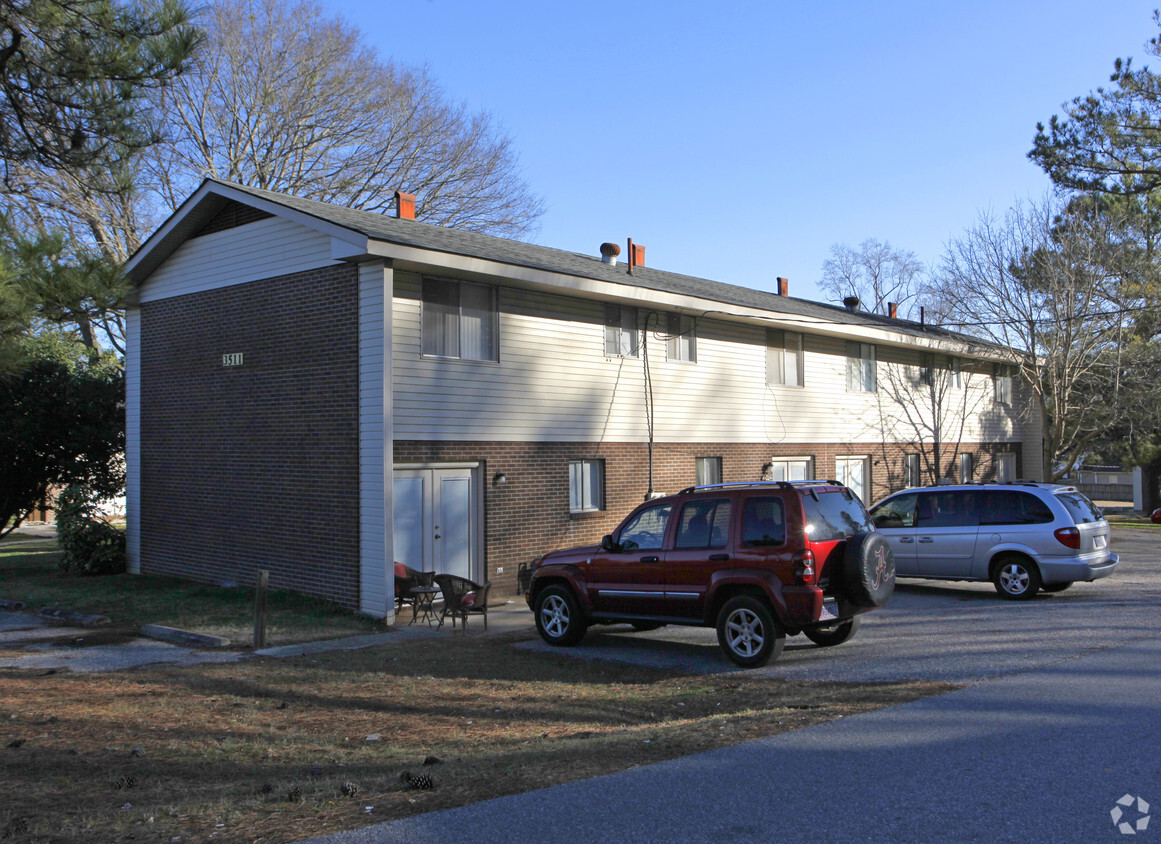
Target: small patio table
(424,604)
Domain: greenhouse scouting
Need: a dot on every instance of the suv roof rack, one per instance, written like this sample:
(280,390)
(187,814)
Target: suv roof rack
(759,484)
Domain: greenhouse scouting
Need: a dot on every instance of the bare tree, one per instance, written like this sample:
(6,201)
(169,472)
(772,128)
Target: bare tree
(1042,282)
(874,272)
(933,403)
(286,98)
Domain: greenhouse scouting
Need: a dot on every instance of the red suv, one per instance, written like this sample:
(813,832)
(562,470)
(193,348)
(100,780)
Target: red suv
(758,561)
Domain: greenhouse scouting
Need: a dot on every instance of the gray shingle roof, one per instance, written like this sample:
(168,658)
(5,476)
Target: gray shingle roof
(472,244)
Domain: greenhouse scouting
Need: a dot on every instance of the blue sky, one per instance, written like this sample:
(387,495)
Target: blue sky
(738,141)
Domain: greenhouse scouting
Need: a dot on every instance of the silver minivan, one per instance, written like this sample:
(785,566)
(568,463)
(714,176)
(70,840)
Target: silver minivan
(1022,536)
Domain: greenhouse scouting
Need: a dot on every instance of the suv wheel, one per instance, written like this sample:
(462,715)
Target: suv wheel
(836,634)
(1016,578)
(558,617)
(748,632)
(868,570)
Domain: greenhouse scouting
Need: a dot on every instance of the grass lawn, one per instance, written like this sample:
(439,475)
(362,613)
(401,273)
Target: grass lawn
(277,750)
(29,574)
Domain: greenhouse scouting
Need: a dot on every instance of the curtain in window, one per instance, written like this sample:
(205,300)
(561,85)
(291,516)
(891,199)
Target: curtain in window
(783,358)
(441,309)
(477,322)
(860,367)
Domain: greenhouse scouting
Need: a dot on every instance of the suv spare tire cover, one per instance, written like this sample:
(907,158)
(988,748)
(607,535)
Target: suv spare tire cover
(868,570)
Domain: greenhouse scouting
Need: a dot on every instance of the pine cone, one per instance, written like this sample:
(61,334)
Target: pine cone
(125,782)
(421,781)
(350,789)
(294,795)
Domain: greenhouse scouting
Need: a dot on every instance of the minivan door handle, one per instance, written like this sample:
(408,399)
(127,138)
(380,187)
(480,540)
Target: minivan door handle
(906,540)
(926,539)
(719,558)
(650,559)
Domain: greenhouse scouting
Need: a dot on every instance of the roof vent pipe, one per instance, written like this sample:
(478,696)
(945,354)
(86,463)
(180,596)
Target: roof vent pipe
(851,303)
(609,253)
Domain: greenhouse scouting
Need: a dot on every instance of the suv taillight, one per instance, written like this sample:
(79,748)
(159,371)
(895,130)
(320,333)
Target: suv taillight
(1069,537)
(804,568)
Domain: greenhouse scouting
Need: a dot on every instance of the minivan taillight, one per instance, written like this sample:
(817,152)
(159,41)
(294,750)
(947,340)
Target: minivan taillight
(804,568)
(1069,537)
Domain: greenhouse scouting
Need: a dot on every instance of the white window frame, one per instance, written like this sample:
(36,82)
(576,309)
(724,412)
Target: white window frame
(862,369)
(912,470)
(707,471)
(782,466)
(621,331)
(455,325)
(586,485)
(842,461)
(682,342)
(784,358)
(1005,467)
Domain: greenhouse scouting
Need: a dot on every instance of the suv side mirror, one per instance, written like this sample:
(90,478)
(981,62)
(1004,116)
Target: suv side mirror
(609,545)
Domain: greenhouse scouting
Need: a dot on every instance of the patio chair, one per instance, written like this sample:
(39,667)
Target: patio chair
(461,598)
(406,579)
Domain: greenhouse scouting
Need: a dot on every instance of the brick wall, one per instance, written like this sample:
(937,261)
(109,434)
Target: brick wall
(253,466)
(529,514)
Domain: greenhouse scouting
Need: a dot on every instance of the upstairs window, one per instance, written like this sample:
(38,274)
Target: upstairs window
(1003,379)
(783,358)
(861,368)
(924,374)
(682,344)
(620,331)
(460,320)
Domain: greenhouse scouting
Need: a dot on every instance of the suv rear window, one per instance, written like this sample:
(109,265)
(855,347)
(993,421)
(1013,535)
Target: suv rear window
(834,515)
(1080,507)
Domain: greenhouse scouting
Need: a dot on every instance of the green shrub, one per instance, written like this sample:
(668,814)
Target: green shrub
(90,545)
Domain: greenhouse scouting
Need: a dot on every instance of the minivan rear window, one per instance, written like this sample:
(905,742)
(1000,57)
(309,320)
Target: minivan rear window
(835,515)
(1079,506)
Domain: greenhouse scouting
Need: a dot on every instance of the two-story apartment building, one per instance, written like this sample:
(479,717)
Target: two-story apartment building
(317,391)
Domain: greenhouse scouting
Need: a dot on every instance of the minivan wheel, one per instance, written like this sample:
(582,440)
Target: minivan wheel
(836,634)
(1016,578)
(559,619)
(748,632)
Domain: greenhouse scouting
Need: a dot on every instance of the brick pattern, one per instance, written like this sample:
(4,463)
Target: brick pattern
(529,514)
(254,466)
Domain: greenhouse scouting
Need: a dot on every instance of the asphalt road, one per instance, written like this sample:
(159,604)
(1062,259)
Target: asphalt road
(1060,719)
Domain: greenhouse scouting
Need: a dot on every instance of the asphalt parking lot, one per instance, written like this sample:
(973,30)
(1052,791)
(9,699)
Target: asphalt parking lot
(952,631)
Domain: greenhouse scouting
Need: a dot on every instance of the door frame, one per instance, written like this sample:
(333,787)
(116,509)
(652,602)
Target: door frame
(479,565)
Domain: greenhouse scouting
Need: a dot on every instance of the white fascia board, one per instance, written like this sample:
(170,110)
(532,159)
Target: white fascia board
(431,260)
(336,232)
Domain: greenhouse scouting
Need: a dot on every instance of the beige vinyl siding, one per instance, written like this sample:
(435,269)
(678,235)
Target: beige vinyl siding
(554,382)
(264,249)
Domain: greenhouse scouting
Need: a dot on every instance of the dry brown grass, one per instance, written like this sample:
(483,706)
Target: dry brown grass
(222,752)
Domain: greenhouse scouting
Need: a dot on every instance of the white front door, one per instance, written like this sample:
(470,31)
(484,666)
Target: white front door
(437,520)
(852,471)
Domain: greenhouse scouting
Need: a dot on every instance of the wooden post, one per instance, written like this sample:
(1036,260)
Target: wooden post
(260,609)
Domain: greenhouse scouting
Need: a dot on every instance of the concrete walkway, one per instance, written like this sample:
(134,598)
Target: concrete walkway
(1039,756)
